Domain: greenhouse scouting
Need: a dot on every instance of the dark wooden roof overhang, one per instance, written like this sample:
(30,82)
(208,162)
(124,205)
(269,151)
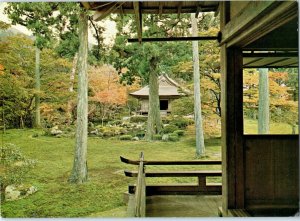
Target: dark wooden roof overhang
(267,32)
(138,8)
(279,48)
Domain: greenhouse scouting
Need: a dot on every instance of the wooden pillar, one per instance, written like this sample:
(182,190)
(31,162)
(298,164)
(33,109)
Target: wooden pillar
(232,128)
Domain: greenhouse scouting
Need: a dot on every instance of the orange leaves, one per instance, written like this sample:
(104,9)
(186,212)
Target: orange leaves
(104,83)
(1,69)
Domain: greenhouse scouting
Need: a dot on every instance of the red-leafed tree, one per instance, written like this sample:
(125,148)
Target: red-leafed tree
(107,95)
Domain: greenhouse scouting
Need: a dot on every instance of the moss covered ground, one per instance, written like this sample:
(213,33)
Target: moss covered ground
(102,195)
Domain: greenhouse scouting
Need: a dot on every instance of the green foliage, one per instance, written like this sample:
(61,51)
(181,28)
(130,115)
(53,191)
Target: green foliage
(173,137)
(169,129)
(179,132)
(4,25)
(17,81)
(140,134)
(56,198)
(111,131)
(138,118)
(157,137)
(283,99)
(183,106)
(14,166)
(125,137)
(181,123)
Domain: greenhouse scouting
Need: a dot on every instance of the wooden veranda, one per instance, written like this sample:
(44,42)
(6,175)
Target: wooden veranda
(173,200)
(252,34)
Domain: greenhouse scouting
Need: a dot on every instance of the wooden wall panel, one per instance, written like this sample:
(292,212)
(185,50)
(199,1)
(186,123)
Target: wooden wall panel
(271,170)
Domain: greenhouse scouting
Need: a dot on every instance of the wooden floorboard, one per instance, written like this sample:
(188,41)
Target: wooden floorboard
(183,206)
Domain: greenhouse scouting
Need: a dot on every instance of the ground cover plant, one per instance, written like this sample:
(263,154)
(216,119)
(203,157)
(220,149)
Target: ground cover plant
(102,195)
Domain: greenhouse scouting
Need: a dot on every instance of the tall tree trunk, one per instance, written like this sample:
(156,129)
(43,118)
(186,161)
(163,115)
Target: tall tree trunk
(37,119)
(154,120)
(71,88)
(79,172)
(263,102)
(200,147)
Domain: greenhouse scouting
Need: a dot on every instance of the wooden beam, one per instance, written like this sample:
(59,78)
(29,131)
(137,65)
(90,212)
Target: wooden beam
(251,62)
(131,40)
(99,15)
(138,19)
(179,8)
(121,11)
(86,5)
(272,55)
(217,11)
(256,20)
(199,9)
(160,9)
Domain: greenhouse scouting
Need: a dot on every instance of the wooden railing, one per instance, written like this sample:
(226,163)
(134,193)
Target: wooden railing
(140,195)
(202,187)
(137,203)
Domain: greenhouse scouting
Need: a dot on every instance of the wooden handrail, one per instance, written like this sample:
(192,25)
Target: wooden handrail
(140,194)
(137,203)
(171,162)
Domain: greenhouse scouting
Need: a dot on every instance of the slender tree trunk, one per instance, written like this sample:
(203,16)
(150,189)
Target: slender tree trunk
(200,147)
(154,120)
(71,88)
(79,172)
(263,102)
(37,119)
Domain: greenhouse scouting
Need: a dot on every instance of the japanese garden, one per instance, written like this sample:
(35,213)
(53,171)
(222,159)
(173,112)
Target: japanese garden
(84,84)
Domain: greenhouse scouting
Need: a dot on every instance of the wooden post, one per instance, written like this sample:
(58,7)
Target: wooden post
(79,172)
(232,128)
(202,183)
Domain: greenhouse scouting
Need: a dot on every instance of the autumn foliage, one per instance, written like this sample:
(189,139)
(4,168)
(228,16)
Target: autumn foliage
(107,94)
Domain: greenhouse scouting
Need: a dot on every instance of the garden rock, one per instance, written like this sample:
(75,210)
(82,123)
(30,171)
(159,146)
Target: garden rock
(135,139)
(95,132)
(55,131)
(165,137)
(126,119)
(13,192)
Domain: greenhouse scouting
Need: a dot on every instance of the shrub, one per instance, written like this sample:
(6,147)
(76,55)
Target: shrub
(166,119)
(173,137)
(140,134)
(181,123)
(115,122)
(183,106)
(125,137)
(35,135)
(179,132)
(157,137)
(169,129)
(14,166)
(138,118)
(110,131)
